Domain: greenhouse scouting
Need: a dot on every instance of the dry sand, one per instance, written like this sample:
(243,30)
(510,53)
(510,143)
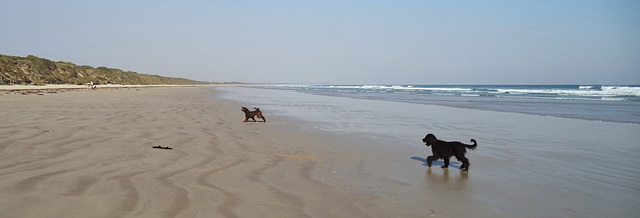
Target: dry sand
(89,154)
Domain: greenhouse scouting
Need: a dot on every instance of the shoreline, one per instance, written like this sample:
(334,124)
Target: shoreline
(30,89)
(89,154)
(68,86)
(52,89)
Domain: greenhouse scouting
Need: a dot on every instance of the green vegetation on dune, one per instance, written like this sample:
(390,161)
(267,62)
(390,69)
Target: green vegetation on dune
(32,70)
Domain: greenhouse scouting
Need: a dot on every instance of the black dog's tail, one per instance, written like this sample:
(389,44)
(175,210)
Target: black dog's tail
(472,147)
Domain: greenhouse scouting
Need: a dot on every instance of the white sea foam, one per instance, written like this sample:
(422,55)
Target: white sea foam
(604,91)
(470,95)
(621,90)
(587,92)
(586,87)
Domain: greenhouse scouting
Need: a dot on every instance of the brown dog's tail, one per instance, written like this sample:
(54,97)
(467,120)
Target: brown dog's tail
(472,147)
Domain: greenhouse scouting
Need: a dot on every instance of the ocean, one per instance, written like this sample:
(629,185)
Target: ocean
(589,102)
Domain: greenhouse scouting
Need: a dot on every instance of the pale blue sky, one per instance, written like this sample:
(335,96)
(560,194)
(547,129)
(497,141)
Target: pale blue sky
(410,42)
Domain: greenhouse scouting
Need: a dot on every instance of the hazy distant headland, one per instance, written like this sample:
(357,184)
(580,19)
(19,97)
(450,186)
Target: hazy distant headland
(32,70)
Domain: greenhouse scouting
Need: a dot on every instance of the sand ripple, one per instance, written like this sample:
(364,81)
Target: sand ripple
(88,154)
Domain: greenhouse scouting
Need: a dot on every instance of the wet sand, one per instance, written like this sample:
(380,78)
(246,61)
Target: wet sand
(89,154)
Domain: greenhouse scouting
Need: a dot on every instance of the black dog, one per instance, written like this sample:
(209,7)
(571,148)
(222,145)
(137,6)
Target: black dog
(445,150)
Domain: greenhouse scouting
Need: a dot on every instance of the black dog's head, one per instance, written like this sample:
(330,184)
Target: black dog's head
(429,139)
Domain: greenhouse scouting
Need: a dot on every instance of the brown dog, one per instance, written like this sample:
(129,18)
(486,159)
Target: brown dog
(251,114)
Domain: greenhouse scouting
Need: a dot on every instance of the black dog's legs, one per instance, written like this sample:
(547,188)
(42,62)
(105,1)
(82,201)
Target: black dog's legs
(446,162)
(429,160)
(465,163)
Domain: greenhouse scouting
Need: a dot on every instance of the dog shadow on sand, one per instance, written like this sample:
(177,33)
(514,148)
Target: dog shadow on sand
(453,164)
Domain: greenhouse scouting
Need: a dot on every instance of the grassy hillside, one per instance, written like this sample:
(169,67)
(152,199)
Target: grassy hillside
(32,70)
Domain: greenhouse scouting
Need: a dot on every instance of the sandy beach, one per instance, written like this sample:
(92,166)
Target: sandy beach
(88,153)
